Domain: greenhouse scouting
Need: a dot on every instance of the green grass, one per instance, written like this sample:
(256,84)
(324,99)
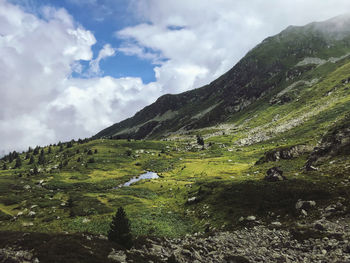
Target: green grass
(223,176)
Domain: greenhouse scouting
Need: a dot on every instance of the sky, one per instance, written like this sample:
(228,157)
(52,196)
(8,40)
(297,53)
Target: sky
(70,68)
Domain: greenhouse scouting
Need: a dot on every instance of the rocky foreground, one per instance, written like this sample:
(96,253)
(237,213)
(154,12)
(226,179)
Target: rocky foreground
(324,240)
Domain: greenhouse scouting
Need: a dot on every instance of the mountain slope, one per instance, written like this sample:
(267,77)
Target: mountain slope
(276,63)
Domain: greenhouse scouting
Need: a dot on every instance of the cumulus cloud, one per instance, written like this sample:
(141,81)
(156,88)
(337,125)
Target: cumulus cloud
(190,43)
(93,104)
(40,102)
(106,51)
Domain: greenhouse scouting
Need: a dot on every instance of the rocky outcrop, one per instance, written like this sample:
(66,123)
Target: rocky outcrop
(17,256)
(284,153)
(274,174)
(335,142)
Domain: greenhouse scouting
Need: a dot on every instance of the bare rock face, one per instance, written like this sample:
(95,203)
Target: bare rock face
(274,174)
(285,153)
(335,142)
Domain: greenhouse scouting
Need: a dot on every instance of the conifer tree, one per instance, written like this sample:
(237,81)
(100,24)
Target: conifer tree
(10,157)
(120,229)
(4,166)
(31,160)
(41,159)
(18,162)
(36,150)
(200,140)
(50,150)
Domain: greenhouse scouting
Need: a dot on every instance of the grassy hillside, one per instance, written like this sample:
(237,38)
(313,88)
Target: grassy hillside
(77,187)
(305,53)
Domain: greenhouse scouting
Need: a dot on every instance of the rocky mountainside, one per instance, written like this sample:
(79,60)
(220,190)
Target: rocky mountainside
(285,60)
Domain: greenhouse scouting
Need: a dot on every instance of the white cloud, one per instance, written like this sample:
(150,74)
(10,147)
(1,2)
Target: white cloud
(40,102)
(191,43)
(93,104)
(106,51)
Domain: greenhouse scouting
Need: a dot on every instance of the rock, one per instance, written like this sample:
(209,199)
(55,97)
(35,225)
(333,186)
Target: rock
(276,224)
(304,204)
(251,218)
(274,174)
(31,214)
(335,141)
(11,255)
(319,226)
(86,220)
(192,200)
(285,153)
(303,212)
(118,256)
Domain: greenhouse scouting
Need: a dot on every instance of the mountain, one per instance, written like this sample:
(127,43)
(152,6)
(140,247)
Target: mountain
(253,167)
(295,54)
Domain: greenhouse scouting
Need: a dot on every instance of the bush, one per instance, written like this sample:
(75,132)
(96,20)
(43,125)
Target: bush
(120,229)
(200,140)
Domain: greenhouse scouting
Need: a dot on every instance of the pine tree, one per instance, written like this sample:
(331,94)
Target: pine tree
(10,157)
(200,140)
(120,229)
(18,162)
(41,159)
(36,150)
(31,160)
(4,167)
(50,150)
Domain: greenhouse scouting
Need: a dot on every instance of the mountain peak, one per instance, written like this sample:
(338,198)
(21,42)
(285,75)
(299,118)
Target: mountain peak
(338,27)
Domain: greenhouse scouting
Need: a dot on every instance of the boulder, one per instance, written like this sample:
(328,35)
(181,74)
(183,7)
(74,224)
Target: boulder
(118,256)
(304,204)
(192,200)
(274,174)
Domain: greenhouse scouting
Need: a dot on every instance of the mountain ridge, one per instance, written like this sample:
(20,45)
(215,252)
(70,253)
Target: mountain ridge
(261,72)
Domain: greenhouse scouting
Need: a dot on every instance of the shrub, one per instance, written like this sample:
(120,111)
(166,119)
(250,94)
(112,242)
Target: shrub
(200,140)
